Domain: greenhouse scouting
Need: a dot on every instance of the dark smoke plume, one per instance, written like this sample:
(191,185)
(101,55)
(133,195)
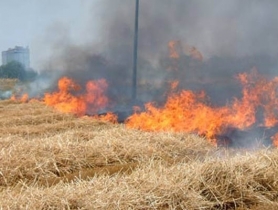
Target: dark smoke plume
(214,41)
(233,36)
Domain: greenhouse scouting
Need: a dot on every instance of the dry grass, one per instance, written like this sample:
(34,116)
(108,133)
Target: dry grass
(7,87)
(50,160)
(7,84)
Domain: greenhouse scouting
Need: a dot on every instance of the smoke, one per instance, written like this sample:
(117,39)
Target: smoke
(233,36)
(5,94)
(217,28)
(212,42)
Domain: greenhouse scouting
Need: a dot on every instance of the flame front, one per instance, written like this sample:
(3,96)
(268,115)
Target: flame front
(187,111)
(184,110)
(63,100)
(67,99)
(95,95)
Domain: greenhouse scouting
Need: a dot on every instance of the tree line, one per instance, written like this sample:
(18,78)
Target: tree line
(15,70)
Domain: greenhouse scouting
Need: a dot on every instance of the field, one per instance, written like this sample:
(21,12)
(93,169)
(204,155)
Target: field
(7,87)
(51,160)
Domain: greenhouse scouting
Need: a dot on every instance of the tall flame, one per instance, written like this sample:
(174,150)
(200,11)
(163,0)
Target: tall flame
(63,100)
(184,111)
(67,99)
(95,97)
(187,111)
(173,49)
(70,98)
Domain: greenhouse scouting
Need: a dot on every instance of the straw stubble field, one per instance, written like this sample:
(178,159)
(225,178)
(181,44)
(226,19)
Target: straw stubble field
(50,160)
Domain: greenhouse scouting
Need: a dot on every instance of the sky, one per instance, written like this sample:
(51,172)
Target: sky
(92,39)
(29,22)
(215,27)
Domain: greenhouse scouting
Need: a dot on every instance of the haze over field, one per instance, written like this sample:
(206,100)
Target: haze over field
(216,28)
(90,40)
(203,134)
(202,45)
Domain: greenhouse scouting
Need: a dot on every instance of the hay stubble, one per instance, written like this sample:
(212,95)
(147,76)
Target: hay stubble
(50,160)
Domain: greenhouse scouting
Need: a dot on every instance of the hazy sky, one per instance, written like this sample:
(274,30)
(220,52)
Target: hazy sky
(89,39)
(215,27)
(29,22)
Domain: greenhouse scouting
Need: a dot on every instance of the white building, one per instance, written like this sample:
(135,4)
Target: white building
(19,54)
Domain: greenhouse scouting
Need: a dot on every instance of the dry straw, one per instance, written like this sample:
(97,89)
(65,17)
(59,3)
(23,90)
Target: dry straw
(7,84)
(50,160)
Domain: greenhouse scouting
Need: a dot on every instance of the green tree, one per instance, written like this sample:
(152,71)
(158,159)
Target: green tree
(13,70)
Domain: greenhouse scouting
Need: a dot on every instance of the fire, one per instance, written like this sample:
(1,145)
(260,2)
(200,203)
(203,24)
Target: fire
(187,111)
(261,95)
(183,112)
(275,140)
(67,99)
(63,100)
(23,99)
(108,117)
(95,97)
(173,49)
(176,50)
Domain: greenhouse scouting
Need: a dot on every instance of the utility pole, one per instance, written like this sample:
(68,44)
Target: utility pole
(135,50)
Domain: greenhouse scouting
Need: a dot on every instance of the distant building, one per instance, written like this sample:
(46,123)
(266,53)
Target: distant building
(19,54)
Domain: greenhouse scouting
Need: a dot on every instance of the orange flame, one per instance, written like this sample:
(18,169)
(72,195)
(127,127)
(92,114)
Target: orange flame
(179,114)
(173,51)
(108,117)
(23,99)
(184,111)
(275,140)
(70,99)
(174,47)
(95,96)
(65,101)
(189,112)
